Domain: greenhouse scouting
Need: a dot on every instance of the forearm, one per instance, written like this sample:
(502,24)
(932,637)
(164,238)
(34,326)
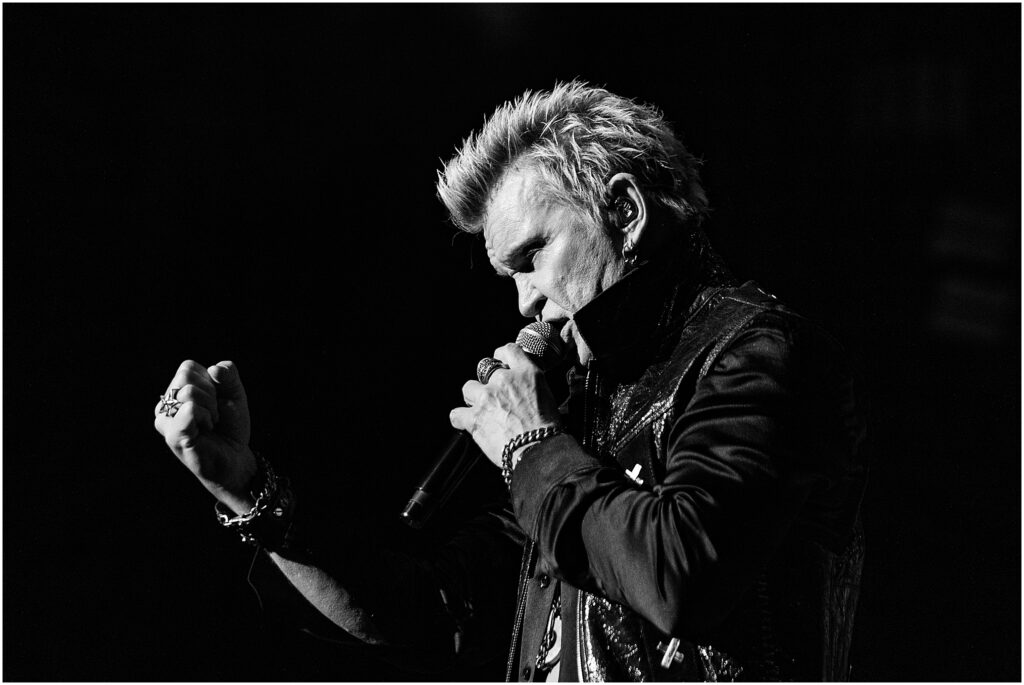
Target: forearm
(421,607)
(376,594)
(671,553)
(331,598)
(742,455)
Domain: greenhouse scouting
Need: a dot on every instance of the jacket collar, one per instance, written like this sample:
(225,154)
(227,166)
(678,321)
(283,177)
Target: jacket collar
(626,324)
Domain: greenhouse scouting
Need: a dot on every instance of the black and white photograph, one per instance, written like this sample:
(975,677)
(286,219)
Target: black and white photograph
(446,342)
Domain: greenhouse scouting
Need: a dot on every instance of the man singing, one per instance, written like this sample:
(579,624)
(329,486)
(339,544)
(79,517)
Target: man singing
(689,513)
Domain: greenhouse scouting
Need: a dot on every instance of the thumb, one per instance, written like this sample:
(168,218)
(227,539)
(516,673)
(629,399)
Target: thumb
(228,382)
(231,401)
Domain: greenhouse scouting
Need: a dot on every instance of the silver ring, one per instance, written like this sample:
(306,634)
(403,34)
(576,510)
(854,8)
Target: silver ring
(169,403)
(486,366)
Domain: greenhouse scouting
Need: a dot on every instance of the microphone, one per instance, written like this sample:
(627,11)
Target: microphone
(540,341)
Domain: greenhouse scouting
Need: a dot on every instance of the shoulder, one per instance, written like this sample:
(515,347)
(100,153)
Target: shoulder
(765,349)
(755,324)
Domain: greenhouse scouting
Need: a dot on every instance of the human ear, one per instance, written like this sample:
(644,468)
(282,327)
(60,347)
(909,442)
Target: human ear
(627,206)
(628,214)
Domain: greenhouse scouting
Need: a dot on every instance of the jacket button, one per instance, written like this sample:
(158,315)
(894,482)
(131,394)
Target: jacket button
(543,580)
(526,673)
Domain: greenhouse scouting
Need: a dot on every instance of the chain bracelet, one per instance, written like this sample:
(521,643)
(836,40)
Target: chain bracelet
(535,435)
(268,523)
(266,497)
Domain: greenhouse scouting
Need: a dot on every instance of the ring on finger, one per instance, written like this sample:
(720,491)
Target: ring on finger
(487,366)
(169,403)
(169,407)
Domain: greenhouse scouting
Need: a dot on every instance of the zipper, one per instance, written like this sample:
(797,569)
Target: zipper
(579,637)
(588,430)
(588,441)
(517,627)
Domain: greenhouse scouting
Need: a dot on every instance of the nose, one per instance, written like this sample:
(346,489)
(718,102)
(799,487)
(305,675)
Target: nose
(530,299)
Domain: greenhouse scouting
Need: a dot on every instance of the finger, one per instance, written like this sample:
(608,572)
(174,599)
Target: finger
(183,429)
(193,393)
(472,391)
(166,407)
(461,418)
(232,404)
(227,381)
(159,405)
(194,373)
(513,356)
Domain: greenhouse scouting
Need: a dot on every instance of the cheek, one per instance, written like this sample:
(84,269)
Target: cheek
(577,284)
(590,265)
(578,276)
(554,279)
(574,282)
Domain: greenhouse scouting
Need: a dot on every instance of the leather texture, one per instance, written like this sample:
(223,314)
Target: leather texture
(776,604)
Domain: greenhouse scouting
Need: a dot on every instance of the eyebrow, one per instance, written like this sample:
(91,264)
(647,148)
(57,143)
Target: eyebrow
(518,251)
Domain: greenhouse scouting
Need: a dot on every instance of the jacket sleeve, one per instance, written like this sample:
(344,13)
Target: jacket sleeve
(435,607)
(759,434)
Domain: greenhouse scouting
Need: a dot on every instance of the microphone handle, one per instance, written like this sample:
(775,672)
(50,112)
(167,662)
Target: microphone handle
(540,341)
(449,470)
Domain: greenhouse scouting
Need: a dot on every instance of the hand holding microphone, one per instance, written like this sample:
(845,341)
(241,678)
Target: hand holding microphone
(509,397)
(508,400)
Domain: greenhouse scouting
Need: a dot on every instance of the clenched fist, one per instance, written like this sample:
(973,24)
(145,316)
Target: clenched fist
(209,430)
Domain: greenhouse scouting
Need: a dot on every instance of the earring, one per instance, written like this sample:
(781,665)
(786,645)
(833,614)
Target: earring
(628,253)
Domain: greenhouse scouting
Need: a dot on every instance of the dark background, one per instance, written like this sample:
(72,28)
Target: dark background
(256,183)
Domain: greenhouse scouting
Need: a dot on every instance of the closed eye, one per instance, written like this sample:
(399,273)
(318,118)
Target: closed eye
(526,255)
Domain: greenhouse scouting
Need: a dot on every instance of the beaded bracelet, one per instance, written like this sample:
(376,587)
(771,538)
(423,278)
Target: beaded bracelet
(536,435)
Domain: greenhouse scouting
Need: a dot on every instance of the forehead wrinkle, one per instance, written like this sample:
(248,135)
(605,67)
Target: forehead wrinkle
(506,212)
(500,225)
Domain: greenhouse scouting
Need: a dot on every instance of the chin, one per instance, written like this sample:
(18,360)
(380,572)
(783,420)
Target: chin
(573,344)
(582,350)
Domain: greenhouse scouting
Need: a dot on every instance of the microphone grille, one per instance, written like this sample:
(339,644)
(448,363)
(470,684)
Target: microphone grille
(540,339)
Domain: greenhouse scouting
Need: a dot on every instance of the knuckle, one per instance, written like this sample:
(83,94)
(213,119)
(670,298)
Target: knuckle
(172,438)
(455,417)
(194,372)
(185,414)
(196,394)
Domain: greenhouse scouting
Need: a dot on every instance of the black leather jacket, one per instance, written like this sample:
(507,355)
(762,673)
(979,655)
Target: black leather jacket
(736,530)
(731,550)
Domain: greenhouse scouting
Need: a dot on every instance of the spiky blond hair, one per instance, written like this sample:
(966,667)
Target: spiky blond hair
(577,137)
